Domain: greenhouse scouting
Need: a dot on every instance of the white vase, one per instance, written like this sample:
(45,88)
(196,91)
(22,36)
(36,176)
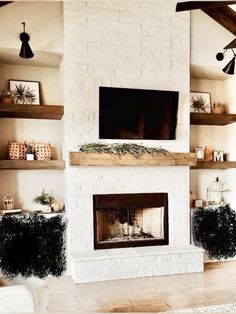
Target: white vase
(29,156)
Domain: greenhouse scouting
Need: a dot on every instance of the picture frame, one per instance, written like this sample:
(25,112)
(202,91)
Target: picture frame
(25,92)
(199,203)
(199,151)
(200,102)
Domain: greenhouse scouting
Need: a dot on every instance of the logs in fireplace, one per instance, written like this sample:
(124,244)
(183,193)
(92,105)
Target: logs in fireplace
(130,220)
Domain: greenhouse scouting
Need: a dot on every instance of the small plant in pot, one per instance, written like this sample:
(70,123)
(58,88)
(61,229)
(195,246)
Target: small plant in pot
(7,97)
(29,152)
(44,200)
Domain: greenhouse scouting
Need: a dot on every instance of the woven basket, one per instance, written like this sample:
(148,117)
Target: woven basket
(16,151)
(42,151)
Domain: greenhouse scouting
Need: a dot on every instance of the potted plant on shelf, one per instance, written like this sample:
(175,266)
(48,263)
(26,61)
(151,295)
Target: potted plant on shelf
(45,200)
(29,152)
(7,97)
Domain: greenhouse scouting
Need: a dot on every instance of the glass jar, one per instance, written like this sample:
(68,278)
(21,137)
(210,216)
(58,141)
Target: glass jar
(8,202)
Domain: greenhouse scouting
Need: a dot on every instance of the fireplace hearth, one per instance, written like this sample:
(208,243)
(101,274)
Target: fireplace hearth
(130,220)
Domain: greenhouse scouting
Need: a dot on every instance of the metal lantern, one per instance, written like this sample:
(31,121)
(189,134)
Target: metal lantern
(216,193)
(8,202)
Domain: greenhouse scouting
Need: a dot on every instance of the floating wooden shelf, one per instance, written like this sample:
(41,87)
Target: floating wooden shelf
(32,164)
(212,118)
(94,159)
(31,111)
(201,164)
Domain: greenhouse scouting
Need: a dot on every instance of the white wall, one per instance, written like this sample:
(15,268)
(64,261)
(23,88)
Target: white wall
(136,44)
(230,93)
(124,44)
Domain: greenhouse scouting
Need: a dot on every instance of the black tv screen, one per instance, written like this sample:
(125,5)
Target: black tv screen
(126,113)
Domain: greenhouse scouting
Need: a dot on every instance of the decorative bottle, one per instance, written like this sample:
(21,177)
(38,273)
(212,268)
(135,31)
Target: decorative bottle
(8,202)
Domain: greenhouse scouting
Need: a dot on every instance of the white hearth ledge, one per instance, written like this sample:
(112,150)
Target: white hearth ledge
(113,264)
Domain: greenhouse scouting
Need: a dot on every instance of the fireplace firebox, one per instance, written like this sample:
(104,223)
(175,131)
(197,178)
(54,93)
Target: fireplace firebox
(129,220)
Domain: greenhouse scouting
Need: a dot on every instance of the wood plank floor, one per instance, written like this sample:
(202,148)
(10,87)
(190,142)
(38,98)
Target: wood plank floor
(217,285)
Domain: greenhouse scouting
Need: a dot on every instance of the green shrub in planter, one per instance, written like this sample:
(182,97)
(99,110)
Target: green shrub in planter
(214,229)
(32,246)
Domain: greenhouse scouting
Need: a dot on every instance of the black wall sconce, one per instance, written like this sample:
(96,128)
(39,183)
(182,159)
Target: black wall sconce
(25,50)
(229,68)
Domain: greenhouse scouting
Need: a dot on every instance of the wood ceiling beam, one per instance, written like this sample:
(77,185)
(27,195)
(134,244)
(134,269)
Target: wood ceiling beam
(225,16)
(231,45)
(2,3)
(194,5)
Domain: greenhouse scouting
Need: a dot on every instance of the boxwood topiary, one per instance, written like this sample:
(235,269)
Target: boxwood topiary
(32,246)
(214,229)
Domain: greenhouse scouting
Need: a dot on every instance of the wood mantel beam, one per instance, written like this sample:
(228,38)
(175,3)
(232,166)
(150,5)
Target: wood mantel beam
(93,159)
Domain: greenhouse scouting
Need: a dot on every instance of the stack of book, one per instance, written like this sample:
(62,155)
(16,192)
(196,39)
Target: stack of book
(10,211)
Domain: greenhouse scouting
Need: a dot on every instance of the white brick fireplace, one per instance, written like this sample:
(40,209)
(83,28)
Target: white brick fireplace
(130,44)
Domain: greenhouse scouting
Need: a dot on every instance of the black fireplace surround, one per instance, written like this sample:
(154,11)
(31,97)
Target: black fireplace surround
(130,220)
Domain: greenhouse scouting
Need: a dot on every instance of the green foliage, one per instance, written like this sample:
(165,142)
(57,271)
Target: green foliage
(214,229)
(120,149)
(29,149)
(43,198)
(32,246)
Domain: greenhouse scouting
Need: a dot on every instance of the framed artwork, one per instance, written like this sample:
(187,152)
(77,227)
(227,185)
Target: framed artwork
(199,151)
(25,92)
(200,102)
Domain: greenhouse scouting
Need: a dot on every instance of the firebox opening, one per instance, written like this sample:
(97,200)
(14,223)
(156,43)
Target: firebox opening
(123,220)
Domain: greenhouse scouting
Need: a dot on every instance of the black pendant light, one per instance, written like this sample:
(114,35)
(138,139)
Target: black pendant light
(229,68)
(25,50)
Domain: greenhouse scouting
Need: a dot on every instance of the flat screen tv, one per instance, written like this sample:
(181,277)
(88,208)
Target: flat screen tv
(126,113)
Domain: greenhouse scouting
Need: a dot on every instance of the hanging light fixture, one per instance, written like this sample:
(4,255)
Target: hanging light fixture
(25,51)
(229,68)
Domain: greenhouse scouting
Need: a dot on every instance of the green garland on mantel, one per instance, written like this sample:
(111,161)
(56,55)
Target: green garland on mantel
(120,149)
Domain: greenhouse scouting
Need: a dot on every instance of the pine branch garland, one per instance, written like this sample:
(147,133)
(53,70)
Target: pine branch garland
(120,149)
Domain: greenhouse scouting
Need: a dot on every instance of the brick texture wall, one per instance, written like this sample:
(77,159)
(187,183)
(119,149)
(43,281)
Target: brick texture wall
(133,44)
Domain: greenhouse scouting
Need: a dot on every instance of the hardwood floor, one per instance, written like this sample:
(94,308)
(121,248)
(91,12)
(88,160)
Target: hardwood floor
(217,285)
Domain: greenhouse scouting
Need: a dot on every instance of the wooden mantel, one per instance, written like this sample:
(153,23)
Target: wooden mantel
(95,159)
